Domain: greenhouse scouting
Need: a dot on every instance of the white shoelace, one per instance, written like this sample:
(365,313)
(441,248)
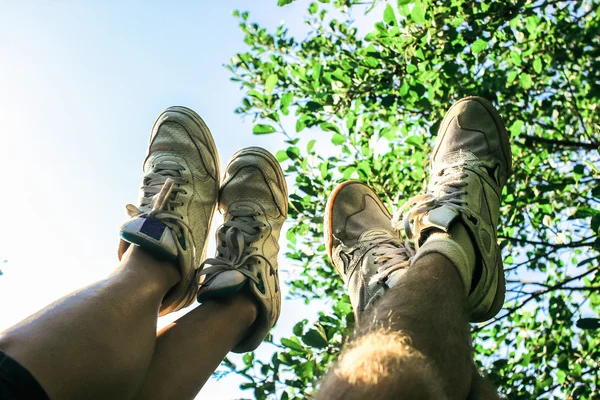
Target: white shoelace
(391,256)
(158,186)
(450,187)
(234,250)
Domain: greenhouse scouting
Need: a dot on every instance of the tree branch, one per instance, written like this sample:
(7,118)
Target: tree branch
(530,140)
(535,295)
(581,243)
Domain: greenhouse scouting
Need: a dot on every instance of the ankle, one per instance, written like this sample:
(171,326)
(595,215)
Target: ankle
(241,305)
(143,265)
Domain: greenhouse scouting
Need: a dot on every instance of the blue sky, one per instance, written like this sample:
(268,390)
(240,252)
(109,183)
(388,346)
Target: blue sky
(81,84)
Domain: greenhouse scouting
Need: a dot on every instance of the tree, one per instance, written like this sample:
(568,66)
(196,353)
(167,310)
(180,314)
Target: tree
(379,99)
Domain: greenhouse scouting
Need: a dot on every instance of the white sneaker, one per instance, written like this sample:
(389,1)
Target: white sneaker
(254,203)
(177,199)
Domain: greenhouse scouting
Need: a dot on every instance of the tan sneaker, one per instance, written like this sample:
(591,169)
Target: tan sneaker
(470,164)
(362,245)
(177,199)
(254,203)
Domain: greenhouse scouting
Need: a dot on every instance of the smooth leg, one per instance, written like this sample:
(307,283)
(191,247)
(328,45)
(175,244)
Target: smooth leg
(189,350)
(96,343)
(414,344)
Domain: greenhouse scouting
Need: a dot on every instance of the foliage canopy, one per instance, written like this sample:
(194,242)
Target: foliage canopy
(377,100)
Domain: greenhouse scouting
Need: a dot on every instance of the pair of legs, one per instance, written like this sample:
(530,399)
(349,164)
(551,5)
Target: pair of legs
(101,342)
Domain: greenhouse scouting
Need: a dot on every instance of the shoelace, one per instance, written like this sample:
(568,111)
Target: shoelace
(392,255)
(158,185)
(450,187)
(234,251)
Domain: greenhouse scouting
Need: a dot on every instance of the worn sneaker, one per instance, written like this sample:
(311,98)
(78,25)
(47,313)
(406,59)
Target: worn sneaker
(254,203)
(177,199)
(362,245)
(470,164)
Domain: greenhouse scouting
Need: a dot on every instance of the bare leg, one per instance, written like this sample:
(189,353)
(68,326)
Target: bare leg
(189,350)
(415,343)
(97,342)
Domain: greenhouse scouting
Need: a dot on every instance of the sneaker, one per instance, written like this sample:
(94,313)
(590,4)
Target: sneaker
(362,245)
(254,204)
(177,199)
(470,165)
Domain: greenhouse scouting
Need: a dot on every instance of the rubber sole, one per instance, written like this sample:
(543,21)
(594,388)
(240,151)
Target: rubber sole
(504,136)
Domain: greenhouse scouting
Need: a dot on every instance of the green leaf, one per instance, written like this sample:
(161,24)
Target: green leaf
(329,127)
(282,3)
(516,128)
(478,46)
(516,58)
(595,223)
(526,81)
(313,8)
(300,125)
(286,100)
(537,65)
(310,145)
(281,156)
(511,76)
(270,83)
(338,139)
(388,15)
(316,72)
(314,338)
(292,344)
(263,129)
(418,12)
(324,169)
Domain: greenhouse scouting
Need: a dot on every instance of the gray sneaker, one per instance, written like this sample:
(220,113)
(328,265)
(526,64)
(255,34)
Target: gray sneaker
(362,245)
(254,203)
(177,199)
(470,164)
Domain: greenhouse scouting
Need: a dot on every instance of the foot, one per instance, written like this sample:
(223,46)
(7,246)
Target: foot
(458,215)
(254,204)
(362,245)
(177,199)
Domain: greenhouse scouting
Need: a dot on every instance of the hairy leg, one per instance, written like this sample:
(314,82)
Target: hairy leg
(98,341)
(189,350)
(414,344)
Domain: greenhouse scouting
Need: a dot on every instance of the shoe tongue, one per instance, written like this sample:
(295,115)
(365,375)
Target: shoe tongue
(376,234)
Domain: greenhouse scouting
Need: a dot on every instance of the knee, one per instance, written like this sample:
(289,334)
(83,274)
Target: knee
(382,365)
